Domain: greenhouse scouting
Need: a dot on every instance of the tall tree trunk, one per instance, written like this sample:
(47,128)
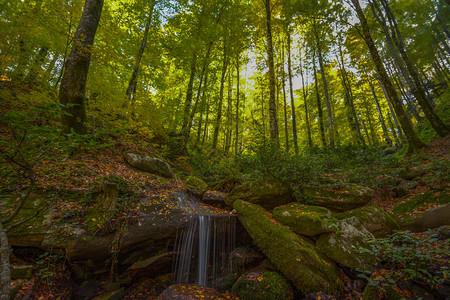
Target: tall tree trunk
(413,140)
(219,108)
(229,122)
(380,114)
(73,83)
(274,136)
(5,273)
(291,94)
(399,129)
(283,78)
(327,99)
(352,116)
(137,63)
(319,105)
(419,91)
(308,126)
(187,129)
(236,146)
(189,93)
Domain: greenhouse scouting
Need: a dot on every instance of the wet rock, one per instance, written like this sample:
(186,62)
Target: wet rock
(267,193)
(114,295)
(225,283)
(351,197)
(214,198)
(342,246)
(243,257)
(21,272)
(374,219)
(304,219)
(263,285)
(155,265)
(149,164)
(295,256)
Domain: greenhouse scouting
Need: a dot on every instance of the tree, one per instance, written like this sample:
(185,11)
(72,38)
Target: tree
(73,83)
(413,141)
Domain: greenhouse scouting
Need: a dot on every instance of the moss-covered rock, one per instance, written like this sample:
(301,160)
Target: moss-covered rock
(416,206)
(342,246)
(267,193)
(263,285)
(436,217)
(149,164)
(196,185)
(243,257)
(373,292)
(183,291)
(374,219)
(296,257)
(304,219)
(345,199)
(225,283)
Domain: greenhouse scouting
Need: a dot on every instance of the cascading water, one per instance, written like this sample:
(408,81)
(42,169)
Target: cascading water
(204,245)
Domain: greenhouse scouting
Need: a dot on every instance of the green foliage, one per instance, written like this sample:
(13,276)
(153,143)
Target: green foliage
(402,256)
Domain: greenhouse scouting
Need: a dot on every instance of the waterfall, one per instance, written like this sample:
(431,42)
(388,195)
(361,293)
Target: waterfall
(202,249)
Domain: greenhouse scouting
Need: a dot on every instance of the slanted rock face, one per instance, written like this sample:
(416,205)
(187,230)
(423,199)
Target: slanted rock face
(339,200)
(296,257)
(342,246)
(374,219)
(304,219)
(262,285)
(149,164)
(196,185)
(436,217)
(269,194)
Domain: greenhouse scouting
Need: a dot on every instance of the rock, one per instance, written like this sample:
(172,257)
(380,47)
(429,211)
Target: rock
(373,292)
(418,205)
(319,296)
(21,272)
(263,285)
(436,217)
(155,265)
(374,219)
(296,257)
(114,295)
(267,193)
(88,289)
(214,198)
(183,291)
(342,246)
(304,219)
(195,185)
(339,200)
(225,283)
(149,164)
(242,257)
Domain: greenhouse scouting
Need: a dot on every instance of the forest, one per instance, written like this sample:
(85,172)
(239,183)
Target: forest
(224,149)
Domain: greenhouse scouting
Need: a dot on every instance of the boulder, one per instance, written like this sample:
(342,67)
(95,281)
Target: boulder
(183,291)
(436,217)
(267,193)
(343,246)
(349,198)
(195,185)
(296,257)
(243,257)
(262,285)
(114,295)
(304,219)
(411,208)
(149,164)
(214,198)
(374,219)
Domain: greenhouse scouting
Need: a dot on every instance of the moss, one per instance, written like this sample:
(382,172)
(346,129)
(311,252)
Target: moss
(196,185)
(263,285)
(296,257)
(418,205)
(374,219)
(267,193)
(304,219)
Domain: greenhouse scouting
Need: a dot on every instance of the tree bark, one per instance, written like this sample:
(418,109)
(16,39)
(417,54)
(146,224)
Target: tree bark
(73,83)
(380,114)
(274,136)
(5,274)
(413,140)
(189,93)
(283,78)
(291,94)
(236,146)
